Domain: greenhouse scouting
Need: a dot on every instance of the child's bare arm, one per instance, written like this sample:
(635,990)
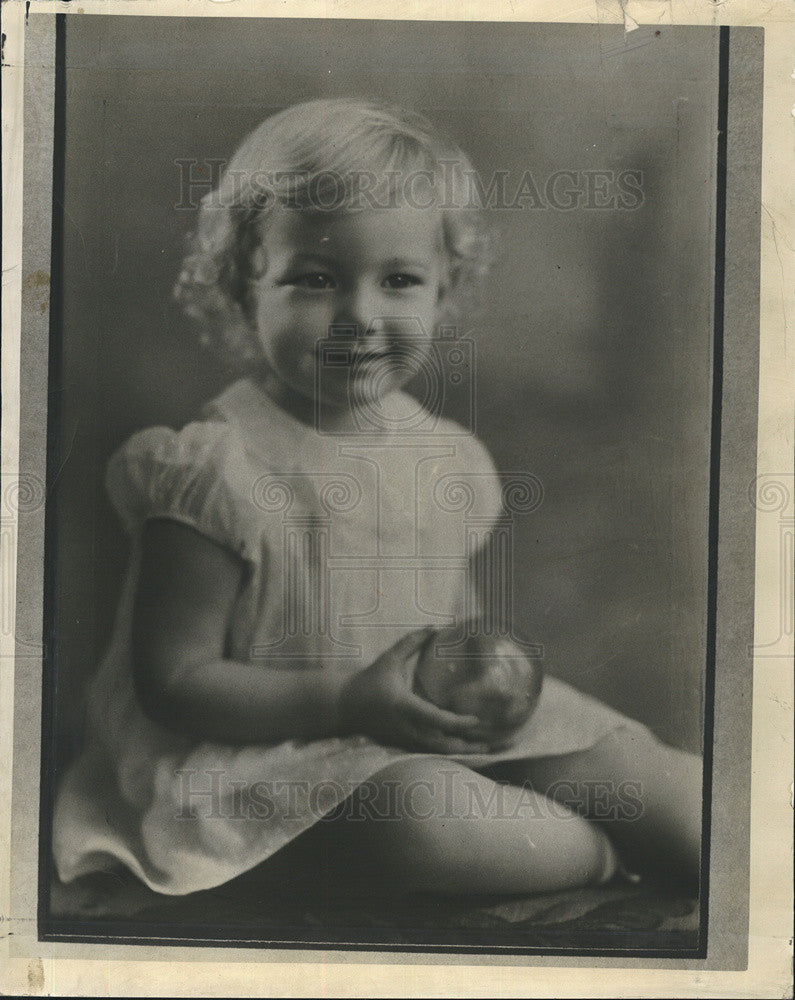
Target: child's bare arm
(186,592)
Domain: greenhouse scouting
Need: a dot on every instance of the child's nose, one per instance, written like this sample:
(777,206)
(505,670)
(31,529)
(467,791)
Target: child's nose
(360,309)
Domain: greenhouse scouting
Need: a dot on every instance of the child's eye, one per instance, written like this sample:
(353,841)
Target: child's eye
(314,280)
(402,280)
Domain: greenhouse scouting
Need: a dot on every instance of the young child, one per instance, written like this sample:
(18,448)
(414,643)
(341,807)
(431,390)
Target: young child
(292,549)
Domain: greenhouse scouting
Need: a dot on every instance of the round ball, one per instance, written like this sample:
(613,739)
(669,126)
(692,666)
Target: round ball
(486,676)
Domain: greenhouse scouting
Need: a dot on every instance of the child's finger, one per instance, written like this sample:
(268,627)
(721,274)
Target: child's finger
(431,716)
(432,742)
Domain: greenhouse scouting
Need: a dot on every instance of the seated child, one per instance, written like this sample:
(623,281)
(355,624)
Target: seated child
(293,550)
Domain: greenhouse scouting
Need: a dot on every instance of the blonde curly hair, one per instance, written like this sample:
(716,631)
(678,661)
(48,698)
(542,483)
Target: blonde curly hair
(314,156)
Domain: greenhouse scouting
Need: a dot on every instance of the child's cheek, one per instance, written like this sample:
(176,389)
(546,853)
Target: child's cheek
(311,313)
(418,311)
(287,314)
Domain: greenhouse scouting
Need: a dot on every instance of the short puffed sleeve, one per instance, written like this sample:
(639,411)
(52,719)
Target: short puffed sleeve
(198,475)
(478,467)
(468,481)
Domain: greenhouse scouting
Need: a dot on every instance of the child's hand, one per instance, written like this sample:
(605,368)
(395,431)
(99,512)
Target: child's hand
(379,702)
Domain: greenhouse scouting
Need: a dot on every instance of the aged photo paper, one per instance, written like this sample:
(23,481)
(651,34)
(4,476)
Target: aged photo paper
(576,256)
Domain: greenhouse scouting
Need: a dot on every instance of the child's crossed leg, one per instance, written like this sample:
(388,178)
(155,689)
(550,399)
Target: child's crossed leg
(432,824)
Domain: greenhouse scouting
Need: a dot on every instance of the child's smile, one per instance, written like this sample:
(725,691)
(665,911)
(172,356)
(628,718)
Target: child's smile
(347,304)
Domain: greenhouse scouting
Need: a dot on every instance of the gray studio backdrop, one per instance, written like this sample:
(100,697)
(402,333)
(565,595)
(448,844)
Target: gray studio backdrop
(592,335)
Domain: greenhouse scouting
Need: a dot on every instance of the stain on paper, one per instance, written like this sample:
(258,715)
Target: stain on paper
(33,284)
(35,976)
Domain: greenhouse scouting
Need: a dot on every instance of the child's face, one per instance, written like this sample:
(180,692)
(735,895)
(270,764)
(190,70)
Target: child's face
(378,274)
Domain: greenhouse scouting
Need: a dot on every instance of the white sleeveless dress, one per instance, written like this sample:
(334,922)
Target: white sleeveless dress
(350,542)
